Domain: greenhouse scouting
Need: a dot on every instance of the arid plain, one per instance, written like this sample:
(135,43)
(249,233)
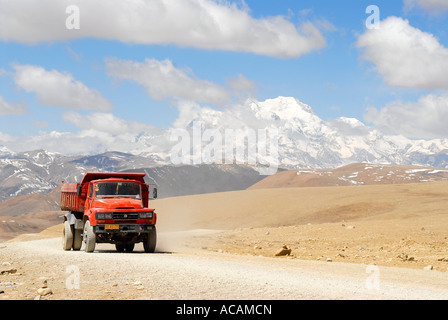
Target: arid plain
(373,217)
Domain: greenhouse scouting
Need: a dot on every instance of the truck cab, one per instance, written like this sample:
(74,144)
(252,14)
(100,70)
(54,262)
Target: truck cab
(109,208)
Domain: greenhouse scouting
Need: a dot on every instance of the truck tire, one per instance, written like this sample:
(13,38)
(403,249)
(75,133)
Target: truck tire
(67,236)
(149,244)
(77,239)
(89,237)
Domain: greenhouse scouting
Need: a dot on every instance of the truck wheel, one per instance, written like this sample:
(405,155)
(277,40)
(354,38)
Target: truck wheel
(67,236)
(89,237)
(119,247)
(77,239)
(149,244)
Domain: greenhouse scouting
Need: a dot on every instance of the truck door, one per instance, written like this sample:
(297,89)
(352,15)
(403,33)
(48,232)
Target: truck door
(89,197)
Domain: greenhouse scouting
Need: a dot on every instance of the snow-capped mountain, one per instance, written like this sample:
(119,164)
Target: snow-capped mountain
(307,141)
(304,141)
(5,151)
(41,171)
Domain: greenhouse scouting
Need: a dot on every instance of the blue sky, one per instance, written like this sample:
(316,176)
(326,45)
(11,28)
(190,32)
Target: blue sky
(333,72)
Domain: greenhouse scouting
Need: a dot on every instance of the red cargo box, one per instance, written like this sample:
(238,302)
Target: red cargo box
(70,201)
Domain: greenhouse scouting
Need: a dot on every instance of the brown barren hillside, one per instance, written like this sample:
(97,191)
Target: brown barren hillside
(29,214)
(37,202)
(353,174)
(395,225)
(299,206)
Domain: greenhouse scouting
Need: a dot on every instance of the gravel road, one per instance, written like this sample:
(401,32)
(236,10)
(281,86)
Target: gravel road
(199,274)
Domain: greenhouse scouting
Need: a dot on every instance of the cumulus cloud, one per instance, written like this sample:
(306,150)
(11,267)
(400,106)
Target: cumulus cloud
(406,56)
(162,80)
(107,123)
(11,108)
(424,119)
(242,87)
(57,89)
(205,24)
(97,132)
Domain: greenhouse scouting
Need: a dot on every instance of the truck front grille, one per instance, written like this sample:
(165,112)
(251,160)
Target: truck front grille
(125,215)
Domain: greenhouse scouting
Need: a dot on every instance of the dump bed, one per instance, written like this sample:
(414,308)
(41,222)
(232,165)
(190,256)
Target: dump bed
(70,201)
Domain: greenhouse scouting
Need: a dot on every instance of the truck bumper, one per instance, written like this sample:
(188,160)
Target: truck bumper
(124,228)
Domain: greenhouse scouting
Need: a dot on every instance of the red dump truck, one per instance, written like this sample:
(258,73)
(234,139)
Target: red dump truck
(108,208)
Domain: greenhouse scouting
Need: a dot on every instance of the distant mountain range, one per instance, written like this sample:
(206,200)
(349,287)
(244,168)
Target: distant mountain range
(307,141)
(41,171)
(304,141)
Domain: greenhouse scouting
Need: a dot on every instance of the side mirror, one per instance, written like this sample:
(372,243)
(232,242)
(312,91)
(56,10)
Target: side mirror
(154,193)
(79,191)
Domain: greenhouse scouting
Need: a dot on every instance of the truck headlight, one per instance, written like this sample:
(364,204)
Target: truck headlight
(103,215)
(145,215)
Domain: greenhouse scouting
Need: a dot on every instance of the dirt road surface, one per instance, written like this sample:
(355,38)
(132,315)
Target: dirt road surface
(194,273)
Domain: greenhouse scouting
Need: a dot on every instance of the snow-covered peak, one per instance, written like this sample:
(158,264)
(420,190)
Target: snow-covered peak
(5,151)
(282,108)
(304,139)
(353,122)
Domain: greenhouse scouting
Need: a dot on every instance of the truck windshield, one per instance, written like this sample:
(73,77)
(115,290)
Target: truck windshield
(117,190)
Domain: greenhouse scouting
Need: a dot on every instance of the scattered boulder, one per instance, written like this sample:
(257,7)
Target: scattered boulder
(405,257)
(284,251)
(44,291)
(138,285)
(430,267)
(8,271)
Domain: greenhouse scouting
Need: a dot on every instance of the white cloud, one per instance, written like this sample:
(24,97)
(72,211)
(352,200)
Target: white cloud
(242,87)
(11,108)
(205,24)
(162,80)
(97,132)
(107,123)
(424,119)
(406,56)
(432,6)
(57,89)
